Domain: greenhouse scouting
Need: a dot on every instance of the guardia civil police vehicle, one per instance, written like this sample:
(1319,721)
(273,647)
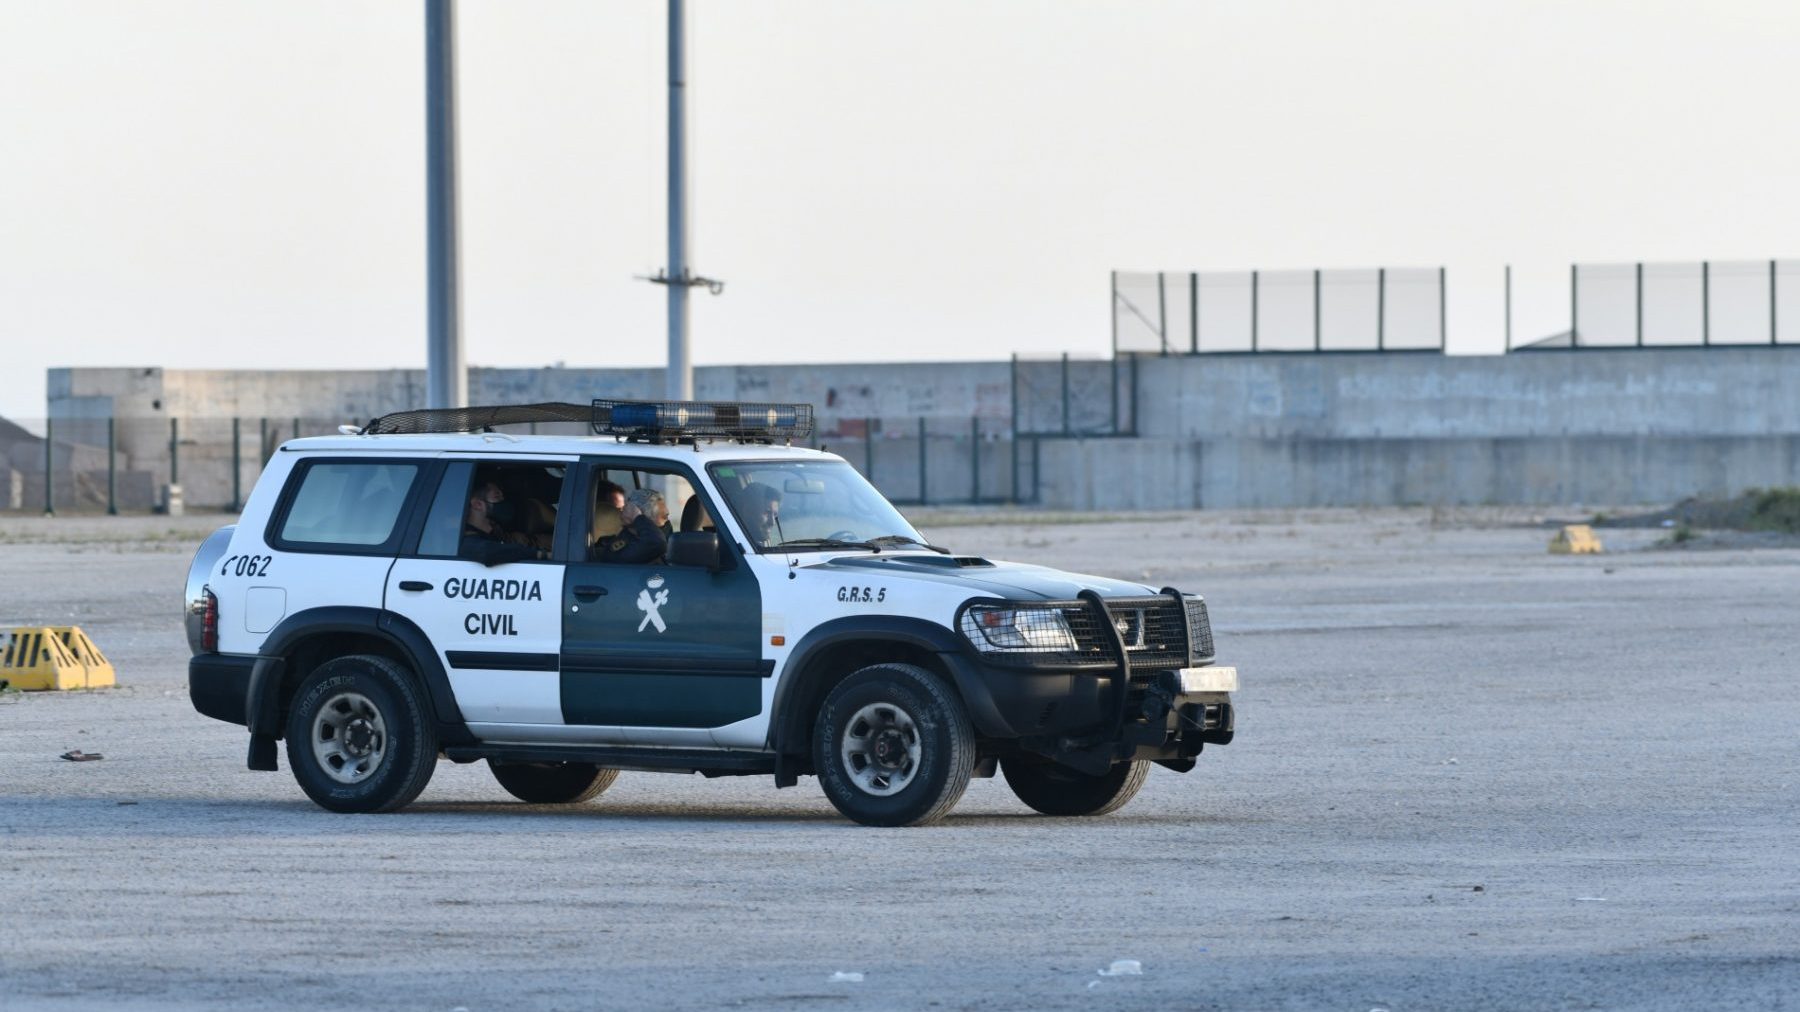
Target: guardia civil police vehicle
(440,585)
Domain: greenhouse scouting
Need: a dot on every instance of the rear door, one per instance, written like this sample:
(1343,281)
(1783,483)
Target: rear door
(665,652)
(496,629)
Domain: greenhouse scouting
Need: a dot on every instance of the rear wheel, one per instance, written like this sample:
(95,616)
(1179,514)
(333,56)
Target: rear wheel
(893,747)
(357,736)
(1055,789)
(552,783)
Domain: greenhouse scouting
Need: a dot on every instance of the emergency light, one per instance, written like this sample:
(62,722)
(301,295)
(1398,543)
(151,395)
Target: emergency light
(702,419)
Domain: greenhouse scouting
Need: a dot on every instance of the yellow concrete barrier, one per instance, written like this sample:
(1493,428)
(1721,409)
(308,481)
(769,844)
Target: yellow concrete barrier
(54,657)
(1575,539)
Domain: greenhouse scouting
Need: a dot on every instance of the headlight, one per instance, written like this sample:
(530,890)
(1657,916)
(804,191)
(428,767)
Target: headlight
(1043,630)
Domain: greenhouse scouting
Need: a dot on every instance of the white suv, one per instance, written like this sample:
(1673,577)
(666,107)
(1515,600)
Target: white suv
(378,608)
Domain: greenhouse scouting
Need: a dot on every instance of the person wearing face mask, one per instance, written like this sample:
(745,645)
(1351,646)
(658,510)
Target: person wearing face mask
(485,538)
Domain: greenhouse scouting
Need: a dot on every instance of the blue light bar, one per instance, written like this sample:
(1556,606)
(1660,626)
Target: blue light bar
(702,419)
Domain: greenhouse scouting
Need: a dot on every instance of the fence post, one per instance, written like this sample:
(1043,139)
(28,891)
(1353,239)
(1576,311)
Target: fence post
(1113,391)
(922,444)
(1772,331)
(174,451)
(1134,395)
(1381,309)
(1443,313)
(1112,309)
(296,428)
(869,449)
(1574,305)
(50,466)
(1318,338)
(1640,303)
(1162,311)
(1509,307)
(1253,309)
(1193,312)
(1037,470)
(112,468)
(262,444)
(237,464)
(1065,393)
(1705,302)
(974,458)
(1014,494)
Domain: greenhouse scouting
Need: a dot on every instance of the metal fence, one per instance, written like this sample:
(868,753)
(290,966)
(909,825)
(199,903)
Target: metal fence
(1069,397)
(136,465)
(1645,305)
(1357,309)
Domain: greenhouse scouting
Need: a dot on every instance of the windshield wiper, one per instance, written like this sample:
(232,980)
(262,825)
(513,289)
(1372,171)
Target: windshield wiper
(828,543)
(901,539)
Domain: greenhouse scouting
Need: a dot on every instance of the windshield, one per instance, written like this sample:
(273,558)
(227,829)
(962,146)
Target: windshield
(810,505)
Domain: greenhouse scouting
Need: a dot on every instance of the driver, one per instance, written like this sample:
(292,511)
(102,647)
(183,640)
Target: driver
(760,505)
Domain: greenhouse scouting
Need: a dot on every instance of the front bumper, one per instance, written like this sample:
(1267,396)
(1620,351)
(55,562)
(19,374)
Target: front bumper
(1078,719)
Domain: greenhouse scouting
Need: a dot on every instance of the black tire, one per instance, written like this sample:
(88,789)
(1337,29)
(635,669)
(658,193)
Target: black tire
(915,743)
(358,739)
(552,783)
(1055,789)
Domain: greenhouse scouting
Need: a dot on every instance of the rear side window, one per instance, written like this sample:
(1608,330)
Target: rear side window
(352,504)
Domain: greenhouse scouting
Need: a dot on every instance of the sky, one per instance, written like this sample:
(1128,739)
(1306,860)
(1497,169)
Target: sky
(226,184)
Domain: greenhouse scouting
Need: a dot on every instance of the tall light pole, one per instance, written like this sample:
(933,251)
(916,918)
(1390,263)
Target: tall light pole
(446,373)
(678,277)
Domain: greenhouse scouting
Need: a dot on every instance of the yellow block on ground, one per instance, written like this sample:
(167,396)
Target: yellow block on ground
(54,657)
(1575,539)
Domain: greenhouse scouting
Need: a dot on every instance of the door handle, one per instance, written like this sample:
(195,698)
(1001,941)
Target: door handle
(414,585)
(585,593)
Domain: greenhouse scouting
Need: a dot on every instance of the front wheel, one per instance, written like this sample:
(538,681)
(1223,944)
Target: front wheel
(552,783)
(358,739)
(1055,789)
(893,747)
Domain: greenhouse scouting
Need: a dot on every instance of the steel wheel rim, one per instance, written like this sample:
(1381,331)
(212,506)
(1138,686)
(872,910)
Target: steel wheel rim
(881,750)
(349,738)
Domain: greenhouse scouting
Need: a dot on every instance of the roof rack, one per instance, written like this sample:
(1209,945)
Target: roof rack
(649,421)
(476,419)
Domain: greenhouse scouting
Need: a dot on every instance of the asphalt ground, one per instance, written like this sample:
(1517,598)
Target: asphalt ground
(1468,774)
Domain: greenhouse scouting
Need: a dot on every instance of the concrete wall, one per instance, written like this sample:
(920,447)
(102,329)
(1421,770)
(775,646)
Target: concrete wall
(1615,426)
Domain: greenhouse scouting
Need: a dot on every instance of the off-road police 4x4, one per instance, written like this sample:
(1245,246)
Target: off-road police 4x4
(796,624)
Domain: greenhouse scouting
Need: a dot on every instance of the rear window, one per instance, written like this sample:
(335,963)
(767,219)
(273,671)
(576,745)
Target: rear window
(351,503)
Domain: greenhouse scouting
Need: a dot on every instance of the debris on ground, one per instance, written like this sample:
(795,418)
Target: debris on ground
(1123,968)
(78,756)
(847,977)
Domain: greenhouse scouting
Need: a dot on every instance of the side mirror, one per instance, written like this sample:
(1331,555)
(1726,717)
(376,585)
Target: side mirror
(695,548)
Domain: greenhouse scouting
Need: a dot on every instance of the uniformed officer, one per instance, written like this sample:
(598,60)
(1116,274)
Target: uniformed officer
(484,539)
(642,539)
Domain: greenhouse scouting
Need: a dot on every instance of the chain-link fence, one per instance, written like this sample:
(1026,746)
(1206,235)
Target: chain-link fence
(1645,305)
(1357,309)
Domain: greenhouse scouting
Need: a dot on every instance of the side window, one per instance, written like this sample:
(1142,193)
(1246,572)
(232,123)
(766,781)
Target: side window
(347,503)
(617,499)
(443,525)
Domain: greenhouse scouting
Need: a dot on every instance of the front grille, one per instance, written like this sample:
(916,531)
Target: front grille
(1155,632)
(1159,633)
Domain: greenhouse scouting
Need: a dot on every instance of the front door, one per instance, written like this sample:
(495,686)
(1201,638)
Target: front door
(497,629)
(668,652)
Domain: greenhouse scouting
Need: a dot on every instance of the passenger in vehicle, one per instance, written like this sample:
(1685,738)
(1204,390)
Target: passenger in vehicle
(642,539)
(610,494)
(484,539)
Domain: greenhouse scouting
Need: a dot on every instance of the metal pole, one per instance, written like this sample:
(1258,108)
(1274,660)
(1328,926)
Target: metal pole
(1509,307)
(1705,303)
(1772,331)
(1381,309)
(1162,311)
(1037,469)
(1443,313)
(1112,388)
(1065,393)
(869,449)
(112,468)
(1318,326)
(1193,312)
(681,370)
(923,439)
(262,443)
(1015,407)
(296,428)
(237,466)
(1574,306)
(49,466)
(1253,284)
(447,378)
(974,458)
(174,451)
(1134,396)
(1640,304)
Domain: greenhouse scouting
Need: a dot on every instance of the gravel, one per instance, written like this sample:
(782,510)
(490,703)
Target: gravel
(1468,774)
